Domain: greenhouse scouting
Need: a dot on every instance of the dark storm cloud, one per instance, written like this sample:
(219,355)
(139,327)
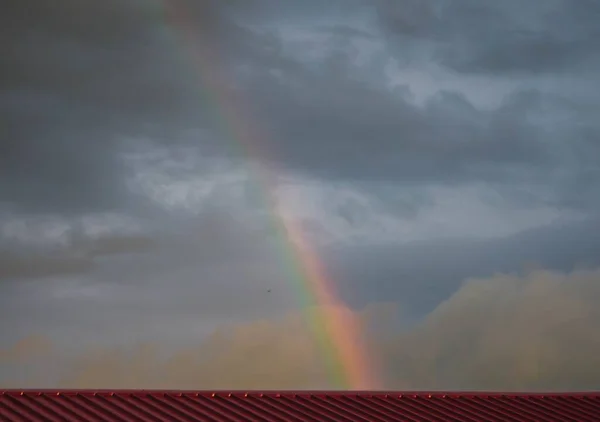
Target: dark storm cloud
(328,122)
(336,120)
(390,139)
(77,76)
(497,37)
(81,75)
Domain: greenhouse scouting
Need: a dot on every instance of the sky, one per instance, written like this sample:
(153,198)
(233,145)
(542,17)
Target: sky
(441,160)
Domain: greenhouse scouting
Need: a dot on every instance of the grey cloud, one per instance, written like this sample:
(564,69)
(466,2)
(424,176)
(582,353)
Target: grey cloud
(74,88)
(202,271)
(14,266)
(507,37)
(345,32)
(448,141)
(76,257)
(79,76)
(115,245)
(422,274)
(212,265)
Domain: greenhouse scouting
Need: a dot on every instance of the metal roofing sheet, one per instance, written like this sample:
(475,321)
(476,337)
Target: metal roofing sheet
(149,405)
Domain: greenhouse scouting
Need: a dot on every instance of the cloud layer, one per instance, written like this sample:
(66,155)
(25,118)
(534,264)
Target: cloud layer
(491,37)
(507,332)
(331,116)
(415,145)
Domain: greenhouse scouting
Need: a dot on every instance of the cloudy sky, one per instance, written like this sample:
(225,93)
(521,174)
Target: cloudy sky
(441,158)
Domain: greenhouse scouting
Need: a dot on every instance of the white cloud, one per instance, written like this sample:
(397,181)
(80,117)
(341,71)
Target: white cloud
(315,42)
(339,211)
(426,81)
(39,231)
(182,180)
(478,212)
(50,231)
(351,214)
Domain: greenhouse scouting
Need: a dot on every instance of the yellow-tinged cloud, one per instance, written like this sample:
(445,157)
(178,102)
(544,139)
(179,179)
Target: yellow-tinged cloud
(539,331)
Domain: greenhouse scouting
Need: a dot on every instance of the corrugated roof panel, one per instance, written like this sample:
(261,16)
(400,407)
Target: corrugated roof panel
(184,406)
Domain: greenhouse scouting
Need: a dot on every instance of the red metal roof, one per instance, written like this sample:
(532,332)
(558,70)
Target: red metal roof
(150,405)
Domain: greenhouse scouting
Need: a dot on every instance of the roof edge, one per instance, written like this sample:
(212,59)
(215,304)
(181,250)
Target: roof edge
(377,393)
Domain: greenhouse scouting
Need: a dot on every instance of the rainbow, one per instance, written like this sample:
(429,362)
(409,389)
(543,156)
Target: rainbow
(336,328)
